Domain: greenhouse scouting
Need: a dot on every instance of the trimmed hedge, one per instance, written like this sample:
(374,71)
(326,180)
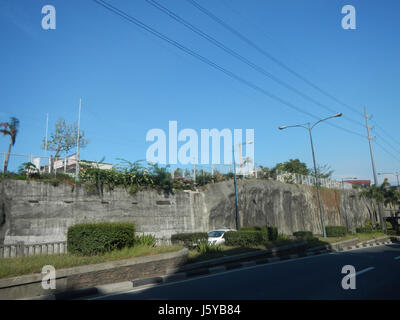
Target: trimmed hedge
(303,235)
(245,238)
(253,228)
(364,230)
(335,231)
(188,239)
(272,233)
(97,238)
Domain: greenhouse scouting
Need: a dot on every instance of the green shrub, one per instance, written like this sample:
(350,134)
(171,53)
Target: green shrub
(97,238)
(253,228)
(335,231)
(189,239)
(303,235)
(145,240)
(272,233)
(365,229)
(245,238)
(205,247)
(388,225)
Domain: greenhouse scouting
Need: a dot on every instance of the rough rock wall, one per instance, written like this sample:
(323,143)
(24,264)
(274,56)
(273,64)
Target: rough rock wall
(37,212)
(287,206)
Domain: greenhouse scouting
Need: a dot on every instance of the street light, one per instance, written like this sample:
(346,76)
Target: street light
(234,181)
(309,127)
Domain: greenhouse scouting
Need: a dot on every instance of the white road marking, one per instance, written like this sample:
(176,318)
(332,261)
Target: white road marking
(364,271)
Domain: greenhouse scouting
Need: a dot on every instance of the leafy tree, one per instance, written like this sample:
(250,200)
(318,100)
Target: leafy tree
(28,169)
(64,138)
(292,166)
(264,172)
(384,194)
(323,172)
(9,128)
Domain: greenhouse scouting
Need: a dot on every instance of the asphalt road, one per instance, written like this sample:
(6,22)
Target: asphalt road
(315,277)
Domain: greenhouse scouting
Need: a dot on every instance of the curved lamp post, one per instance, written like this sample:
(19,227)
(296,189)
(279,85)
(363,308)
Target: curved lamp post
(309,127)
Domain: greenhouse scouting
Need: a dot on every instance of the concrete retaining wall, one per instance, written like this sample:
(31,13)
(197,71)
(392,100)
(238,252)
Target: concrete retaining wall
(37,212)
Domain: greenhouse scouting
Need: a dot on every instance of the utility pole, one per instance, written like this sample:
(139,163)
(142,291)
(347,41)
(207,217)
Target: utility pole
(77,142)
(382,222)
(45,146)
(236,191)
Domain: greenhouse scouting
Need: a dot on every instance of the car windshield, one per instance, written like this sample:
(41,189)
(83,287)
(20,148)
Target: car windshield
(215,234)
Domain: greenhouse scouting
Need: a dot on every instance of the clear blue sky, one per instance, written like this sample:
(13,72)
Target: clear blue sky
(131,82)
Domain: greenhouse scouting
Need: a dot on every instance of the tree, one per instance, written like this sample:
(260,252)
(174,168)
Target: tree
(292,166)
(64,138)
(323,172)
(9,128)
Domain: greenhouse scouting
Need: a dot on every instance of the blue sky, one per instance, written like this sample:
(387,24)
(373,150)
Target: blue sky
(131,81)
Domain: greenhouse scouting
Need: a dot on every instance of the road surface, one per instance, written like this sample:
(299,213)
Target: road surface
(316,277)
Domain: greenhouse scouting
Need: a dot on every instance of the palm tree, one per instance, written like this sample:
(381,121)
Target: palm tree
(9,128)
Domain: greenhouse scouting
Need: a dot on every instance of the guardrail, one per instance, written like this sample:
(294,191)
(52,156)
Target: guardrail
(22,249)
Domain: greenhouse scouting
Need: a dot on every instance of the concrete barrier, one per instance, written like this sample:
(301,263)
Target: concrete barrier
(87,276)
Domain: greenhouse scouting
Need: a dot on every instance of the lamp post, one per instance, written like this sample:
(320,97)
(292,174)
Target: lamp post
(235,183)
(309,127)
(344,199)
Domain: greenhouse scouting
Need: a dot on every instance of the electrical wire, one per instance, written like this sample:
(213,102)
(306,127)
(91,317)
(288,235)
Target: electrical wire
(209,62)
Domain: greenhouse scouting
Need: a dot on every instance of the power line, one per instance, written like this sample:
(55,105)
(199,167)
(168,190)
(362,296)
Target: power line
(233,53)
(268,55)
(209,62)
(387,134)
(388,143)
(389,153)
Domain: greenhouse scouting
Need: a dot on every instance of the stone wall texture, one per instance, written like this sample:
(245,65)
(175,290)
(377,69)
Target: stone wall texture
(37,212)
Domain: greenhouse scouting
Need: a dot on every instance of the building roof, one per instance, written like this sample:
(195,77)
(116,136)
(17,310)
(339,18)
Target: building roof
(367,182)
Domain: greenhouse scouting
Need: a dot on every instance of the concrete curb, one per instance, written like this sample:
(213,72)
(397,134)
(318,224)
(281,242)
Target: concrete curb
(365,244)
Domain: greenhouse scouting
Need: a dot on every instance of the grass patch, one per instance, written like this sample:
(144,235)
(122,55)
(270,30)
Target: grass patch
(196,256)
(370,236)
(360,236)
(10,267)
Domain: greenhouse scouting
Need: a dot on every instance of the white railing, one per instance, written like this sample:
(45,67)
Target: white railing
(21,249)
(310,181)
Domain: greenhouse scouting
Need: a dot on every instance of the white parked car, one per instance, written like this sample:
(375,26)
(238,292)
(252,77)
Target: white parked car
(217,236)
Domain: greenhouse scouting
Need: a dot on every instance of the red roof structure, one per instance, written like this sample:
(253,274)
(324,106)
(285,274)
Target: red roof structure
(362,182)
